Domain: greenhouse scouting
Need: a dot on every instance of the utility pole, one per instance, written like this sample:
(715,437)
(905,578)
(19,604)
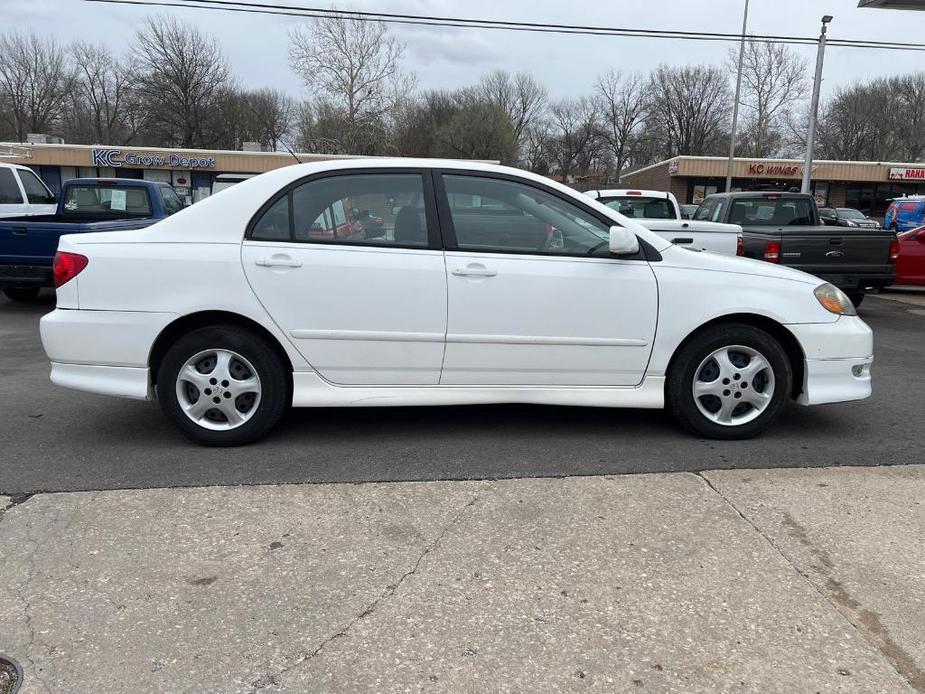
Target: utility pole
(735,105)
(814,108)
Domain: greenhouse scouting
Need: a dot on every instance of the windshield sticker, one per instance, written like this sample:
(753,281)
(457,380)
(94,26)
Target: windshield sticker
(118,200)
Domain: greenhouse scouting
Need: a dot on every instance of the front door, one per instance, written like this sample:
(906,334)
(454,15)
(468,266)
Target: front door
(535,298)
(363,305)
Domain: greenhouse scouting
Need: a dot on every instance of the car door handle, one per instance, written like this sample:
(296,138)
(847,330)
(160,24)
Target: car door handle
(474,271)
(682,240)
(278,261)
(19,231)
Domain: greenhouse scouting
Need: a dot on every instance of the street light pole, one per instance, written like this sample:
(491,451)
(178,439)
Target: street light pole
(814,108)
(735,105)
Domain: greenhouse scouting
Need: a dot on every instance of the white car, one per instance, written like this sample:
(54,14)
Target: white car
(659,212)
(22,193)
(485,284)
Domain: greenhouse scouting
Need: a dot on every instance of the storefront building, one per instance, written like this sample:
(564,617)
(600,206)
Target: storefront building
(866,186)
(191,172)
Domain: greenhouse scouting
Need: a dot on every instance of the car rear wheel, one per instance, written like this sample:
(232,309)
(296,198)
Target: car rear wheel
(21,293)
(222,386)
(730,382)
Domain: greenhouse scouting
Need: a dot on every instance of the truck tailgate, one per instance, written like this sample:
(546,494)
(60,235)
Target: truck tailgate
(835,249)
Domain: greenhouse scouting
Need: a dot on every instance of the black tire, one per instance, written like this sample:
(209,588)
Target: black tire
(24,294)
(680,383)
(274,383)
(856,298)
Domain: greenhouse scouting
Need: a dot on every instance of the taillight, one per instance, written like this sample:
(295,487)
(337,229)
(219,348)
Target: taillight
(67,266)
(772,251)
(740,245)
(894,252)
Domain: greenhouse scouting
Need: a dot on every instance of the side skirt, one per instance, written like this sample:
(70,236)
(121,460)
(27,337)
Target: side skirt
(310,390)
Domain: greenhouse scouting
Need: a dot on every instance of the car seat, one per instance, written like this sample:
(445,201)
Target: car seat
(409,227)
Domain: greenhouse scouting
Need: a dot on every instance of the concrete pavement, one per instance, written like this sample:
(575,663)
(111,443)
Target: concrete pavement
(748,581)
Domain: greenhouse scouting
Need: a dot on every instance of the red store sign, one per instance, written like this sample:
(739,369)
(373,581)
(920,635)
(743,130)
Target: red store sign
(903,174)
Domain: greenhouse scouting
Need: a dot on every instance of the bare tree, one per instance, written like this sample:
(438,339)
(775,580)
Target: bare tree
(98,104)
(520,96)
(624,105)
(182,72)
(273,111)
(773,82)
(352,64)
(879,120)
(690,110)
(35,77)
(574,137)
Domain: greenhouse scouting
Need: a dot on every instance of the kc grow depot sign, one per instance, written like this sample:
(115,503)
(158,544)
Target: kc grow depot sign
(118,157)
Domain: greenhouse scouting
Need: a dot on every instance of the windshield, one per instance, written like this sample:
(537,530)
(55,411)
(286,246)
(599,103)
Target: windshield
(641,207)
(102,201)
(848,213)
(772,212)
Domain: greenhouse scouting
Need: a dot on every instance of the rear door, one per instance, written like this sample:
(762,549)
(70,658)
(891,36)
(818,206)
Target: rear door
(361,310)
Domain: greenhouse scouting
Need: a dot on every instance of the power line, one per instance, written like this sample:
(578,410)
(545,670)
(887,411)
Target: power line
(474,23)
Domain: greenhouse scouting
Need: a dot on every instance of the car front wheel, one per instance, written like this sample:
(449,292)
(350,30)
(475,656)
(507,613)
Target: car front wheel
(222,386)
(729,382)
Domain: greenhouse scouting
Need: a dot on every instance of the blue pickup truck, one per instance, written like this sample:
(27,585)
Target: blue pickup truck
(28,244)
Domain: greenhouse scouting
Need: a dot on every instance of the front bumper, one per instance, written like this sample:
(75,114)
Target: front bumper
(838,360)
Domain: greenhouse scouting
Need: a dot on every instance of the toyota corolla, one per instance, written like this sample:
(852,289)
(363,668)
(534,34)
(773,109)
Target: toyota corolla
(484,284)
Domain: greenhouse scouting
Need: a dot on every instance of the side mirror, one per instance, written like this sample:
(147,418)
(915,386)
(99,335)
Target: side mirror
(623,241)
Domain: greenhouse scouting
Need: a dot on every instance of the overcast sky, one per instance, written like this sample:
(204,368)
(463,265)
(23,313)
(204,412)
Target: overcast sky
(256,45)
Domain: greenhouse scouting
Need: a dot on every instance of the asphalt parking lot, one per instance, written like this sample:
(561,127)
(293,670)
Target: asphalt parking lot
(53,439)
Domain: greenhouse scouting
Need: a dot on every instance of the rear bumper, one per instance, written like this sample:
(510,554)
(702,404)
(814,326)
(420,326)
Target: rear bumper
(856,281)
(838,360)
(102,338)
(26,275)
(122,381)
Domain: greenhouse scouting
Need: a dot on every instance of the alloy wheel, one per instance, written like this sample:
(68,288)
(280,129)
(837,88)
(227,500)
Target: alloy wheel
(733,385)
(218,389)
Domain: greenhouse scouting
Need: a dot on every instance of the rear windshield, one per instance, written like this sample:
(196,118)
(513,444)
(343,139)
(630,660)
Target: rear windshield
(776,212)
(102,201)
(641,207)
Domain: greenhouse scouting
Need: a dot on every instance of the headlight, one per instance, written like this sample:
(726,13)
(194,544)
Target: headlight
(851,223)
(835,300)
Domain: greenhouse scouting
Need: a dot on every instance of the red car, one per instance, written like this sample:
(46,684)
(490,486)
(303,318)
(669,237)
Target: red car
(910,268)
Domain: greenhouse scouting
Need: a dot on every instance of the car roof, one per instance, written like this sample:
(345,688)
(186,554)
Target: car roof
(241,201)
(112,179)
(7,165)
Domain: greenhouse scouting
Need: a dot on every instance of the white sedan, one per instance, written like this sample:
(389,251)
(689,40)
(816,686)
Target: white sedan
(428,282)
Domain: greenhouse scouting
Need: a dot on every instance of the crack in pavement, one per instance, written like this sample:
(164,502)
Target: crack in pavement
(867,625)
(269,680)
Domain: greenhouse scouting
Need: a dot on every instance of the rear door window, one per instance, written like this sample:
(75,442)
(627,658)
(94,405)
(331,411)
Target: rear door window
(9,189)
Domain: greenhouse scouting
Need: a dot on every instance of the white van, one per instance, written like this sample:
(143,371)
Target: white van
(22,193)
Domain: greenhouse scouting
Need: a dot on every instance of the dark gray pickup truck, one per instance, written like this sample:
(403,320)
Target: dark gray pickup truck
(785,228)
